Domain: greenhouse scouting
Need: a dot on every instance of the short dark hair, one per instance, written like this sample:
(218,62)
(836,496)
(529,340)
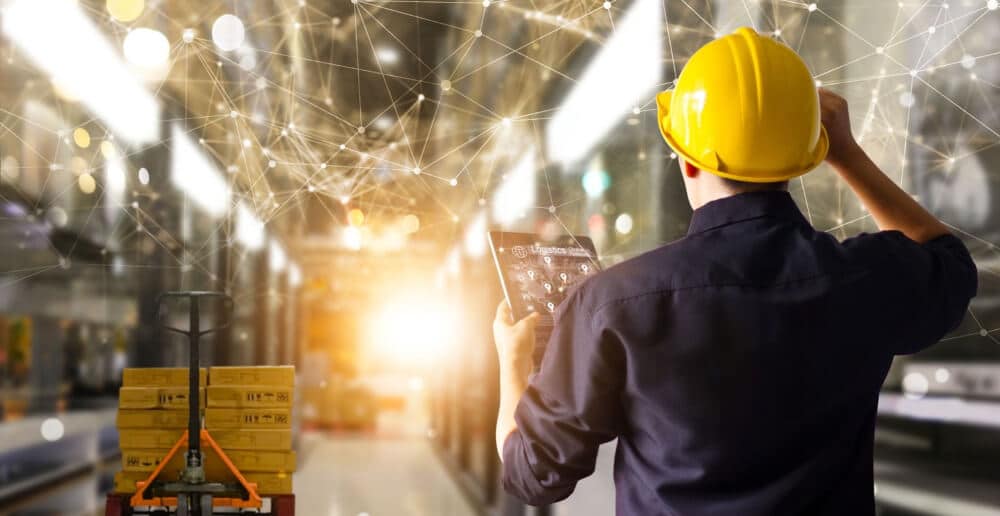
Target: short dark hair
(745,186)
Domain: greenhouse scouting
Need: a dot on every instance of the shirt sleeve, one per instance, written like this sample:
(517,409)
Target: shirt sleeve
(930,286)
(571,406)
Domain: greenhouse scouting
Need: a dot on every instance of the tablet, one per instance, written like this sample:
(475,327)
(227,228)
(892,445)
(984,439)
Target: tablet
(536,275)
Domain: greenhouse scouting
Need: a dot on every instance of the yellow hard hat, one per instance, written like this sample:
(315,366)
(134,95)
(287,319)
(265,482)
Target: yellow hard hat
(745,107)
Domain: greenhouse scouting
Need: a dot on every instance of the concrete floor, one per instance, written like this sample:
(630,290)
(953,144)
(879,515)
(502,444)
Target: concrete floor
(374,476)
(340,475)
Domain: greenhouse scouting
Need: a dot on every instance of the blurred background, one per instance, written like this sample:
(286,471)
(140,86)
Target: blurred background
(335,165)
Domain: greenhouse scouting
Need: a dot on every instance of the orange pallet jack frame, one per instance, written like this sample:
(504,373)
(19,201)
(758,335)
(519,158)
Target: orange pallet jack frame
(253,499)
(193,495)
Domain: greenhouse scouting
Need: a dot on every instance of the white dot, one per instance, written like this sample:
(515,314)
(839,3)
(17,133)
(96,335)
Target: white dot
(931,30)
(623,224)
(636,110)
(607,5)
(992,5)
(879,50)
(811,7)
(188,35)
(342,146)
(228,32)
(505,121)
(486,3)
(819,83)
(416,170)
(907,99)
(478,33)
(272,163)
(777,32)
(983,332)
(941,375)
(968,61)
(421,97)
(915,385)
(144,176)
(148,49)
(52,429)
(233,114)
(453,182)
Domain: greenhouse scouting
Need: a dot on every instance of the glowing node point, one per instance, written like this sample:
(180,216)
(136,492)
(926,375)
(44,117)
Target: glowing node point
(607,5)
(819,83)
(421,97)
(233,114)
(968,61)
(361,129)
(931,30)
(416,171)
(673,155)
(486,3)
(777,32)
(505,121)
(636,110)
(322,166)
(811,7)
(879,50)
(992,5)
(453,182)
(187,35)
(272,163)
(342,146)
(552,209)
(983,332)
(445,85)
(478,33)
(913,73)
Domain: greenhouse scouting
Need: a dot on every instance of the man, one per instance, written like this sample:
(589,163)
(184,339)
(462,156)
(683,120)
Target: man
(739,367)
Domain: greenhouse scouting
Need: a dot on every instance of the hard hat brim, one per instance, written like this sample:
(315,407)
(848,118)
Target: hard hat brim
(818,155)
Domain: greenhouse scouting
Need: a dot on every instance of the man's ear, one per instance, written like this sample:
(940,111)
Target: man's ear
(690,170)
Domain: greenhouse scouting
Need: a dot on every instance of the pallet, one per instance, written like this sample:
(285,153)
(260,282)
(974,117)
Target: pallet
(117,504)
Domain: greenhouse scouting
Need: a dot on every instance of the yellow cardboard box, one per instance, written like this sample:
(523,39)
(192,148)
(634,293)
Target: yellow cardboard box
(152,419)
(283,376)
(146,460)
(270,440)
(249,396)
(262,418)
(159,376)
(129,438)
(262,461)
(125,481)
(156,397)
(270,483)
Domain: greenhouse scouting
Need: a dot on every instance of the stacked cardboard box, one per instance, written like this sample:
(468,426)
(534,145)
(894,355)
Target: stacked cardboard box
(152,416)
(249,415)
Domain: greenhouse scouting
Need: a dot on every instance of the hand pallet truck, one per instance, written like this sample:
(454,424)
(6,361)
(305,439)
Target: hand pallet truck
(191,494)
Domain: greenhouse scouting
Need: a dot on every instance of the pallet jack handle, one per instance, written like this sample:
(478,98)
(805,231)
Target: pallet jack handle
(194,471)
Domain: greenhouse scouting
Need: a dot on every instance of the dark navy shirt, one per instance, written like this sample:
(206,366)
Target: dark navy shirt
(739,367)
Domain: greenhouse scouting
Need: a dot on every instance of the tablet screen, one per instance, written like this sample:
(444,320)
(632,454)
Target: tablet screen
(536,275)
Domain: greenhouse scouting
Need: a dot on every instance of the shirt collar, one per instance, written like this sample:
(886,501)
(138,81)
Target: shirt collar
(744,206)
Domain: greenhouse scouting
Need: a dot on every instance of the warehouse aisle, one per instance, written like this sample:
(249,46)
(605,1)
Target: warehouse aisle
(361,475)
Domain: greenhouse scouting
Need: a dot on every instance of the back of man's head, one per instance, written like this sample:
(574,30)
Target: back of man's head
(745,109)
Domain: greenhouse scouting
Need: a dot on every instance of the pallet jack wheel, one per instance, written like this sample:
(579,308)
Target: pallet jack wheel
(117,505)
(283,505)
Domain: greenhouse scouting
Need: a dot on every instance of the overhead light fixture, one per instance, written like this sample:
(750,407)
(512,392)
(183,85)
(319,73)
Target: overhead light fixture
(277,260)
(63,42)
(196,176)
(516,194)
(621,76)
(294,275)
(250,232)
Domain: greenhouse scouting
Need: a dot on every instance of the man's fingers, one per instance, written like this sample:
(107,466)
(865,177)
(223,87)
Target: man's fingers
(503,312)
